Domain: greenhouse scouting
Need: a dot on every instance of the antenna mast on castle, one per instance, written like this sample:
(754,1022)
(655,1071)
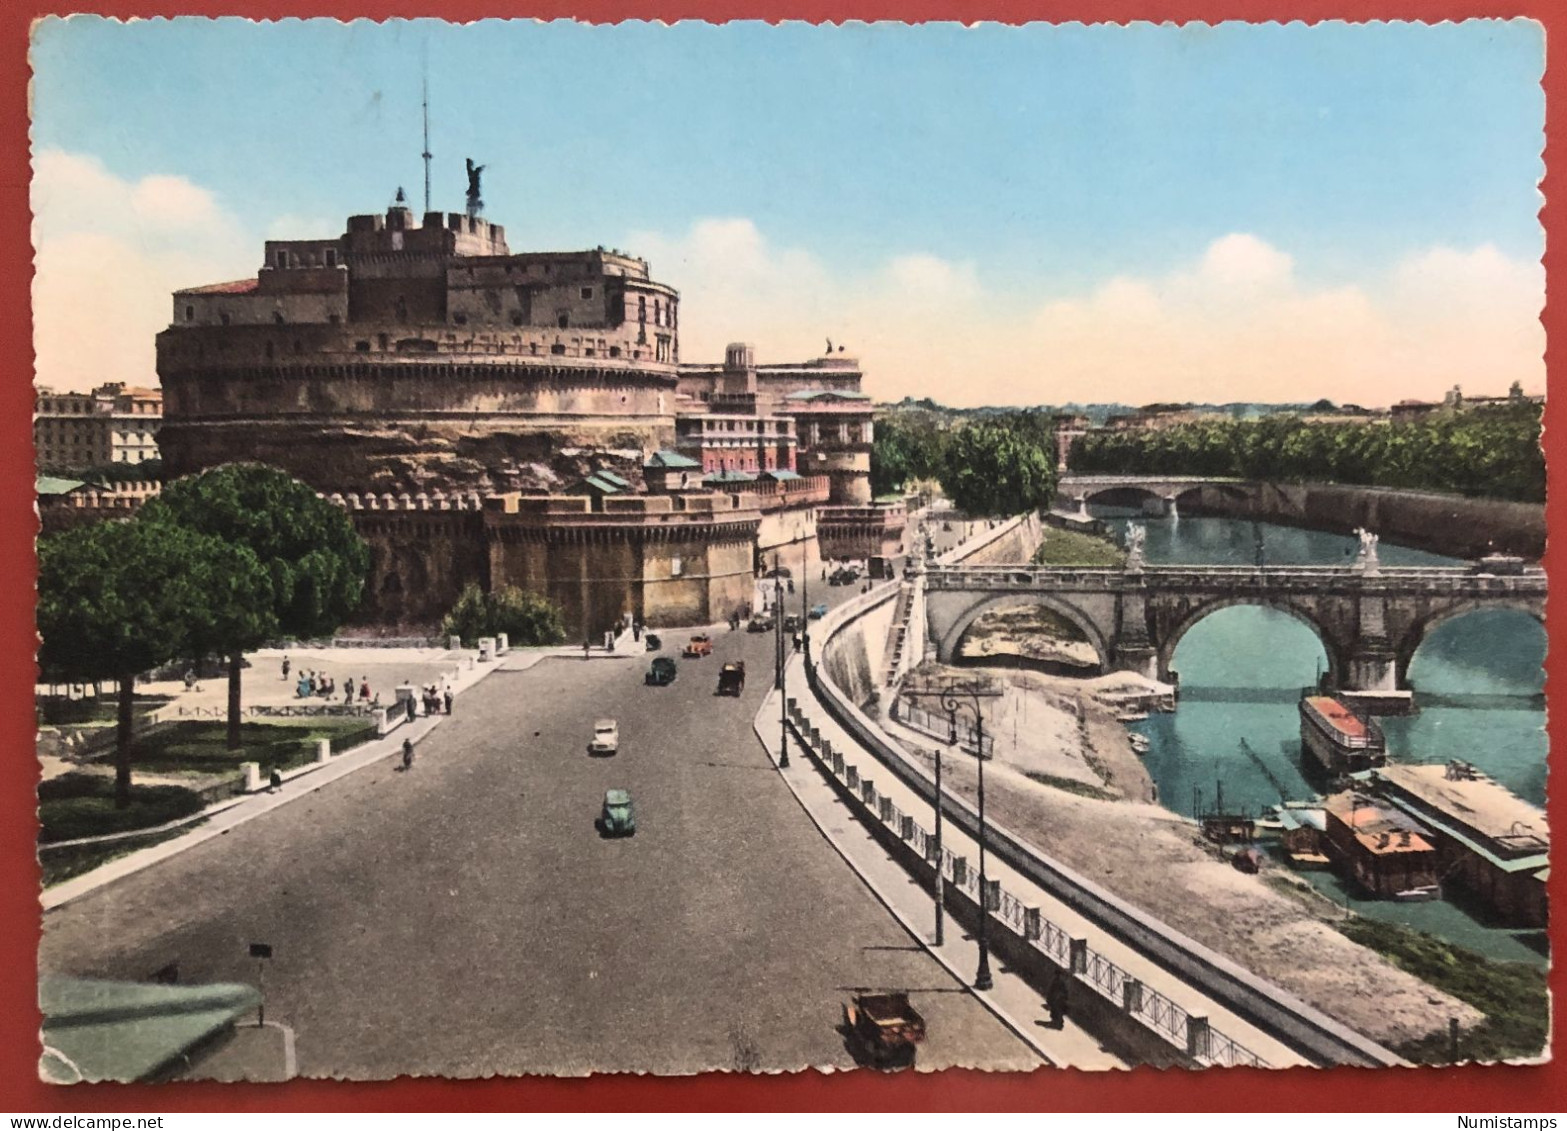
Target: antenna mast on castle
(426,153)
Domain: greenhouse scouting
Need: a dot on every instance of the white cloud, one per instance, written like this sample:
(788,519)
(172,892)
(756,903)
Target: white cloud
(109,254)
(1235,323)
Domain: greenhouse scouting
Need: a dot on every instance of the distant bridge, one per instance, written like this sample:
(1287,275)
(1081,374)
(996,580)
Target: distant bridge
(1370,620)
(1160,492)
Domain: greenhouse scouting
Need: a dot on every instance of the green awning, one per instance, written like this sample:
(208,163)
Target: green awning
(124,1031)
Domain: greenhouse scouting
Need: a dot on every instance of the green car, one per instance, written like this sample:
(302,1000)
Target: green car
(618,818)
(662,672)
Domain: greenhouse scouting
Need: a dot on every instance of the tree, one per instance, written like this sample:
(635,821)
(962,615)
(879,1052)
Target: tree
(314,561)
(117,598)
(524,616)
(1000,467)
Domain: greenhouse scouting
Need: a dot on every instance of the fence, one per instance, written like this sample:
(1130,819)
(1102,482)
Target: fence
(939,727)
(1088,968)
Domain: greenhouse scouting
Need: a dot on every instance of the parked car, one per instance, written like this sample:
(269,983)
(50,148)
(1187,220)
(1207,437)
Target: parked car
(654,641)
(793,623)
(883,1030)
(662,672)
(698,646)
(606,737)
(619,818)
(731,678)
(779,571)
(761,622)
(818,611)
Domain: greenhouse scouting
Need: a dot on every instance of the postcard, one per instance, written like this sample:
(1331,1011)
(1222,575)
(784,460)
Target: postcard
(641,548)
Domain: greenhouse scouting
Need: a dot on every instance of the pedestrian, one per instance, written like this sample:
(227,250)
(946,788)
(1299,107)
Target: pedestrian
(585,647)
(348,695)
(413,709)
(797,642)
(285,669)
(636,631)
(448,699)
(364,689)
(408,753)
(274,781)
(1056,1000)
(310,684)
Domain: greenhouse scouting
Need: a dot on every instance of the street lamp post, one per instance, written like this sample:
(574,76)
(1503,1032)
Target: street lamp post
(955,695)
(783,693)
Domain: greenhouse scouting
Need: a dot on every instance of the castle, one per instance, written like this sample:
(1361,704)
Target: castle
(520,419)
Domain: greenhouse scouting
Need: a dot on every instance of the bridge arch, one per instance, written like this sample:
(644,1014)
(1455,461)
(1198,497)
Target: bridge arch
(1172,640)
(1420,629)
(947,645)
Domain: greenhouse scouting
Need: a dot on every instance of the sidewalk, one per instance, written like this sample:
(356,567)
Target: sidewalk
(1014,1002)
(1022,1003)
(231,813)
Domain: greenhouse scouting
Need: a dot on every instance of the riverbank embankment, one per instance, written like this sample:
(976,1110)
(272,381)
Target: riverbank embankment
(1455,525)
(1064,776)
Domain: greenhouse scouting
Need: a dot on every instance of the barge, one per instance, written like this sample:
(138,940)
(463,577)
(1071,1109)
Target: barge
(1341,741)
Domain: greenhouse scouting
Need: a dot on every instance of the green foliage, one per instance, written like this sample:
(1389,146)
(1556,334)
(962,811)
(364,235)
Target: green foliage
(82,805)
(196,747)
(1512,995)
(1003,466)
(908,446)
(1074,548)
(117,598)
(315,562)
(525,617)
(1493,452)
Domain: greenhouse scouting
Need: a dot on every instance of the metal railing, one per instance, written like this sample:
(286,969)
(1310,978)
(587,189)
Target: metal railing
(938,727)
(1098,973)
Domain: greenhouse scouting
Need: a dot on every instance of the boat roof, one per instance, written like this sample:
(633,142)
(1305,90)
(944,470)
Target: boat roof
(1473,802)
(1338,716)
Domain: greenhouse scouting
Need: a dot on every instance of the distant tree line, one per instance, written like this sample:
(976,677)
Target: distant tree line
(995,465)
(1493,451)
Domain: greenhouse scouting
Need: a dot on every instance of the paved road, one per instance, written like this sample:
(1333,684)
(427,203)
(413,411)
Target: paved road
(465,918)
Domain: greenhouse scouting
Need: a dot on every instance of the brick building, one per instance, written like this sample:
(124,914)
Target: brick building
(115,423)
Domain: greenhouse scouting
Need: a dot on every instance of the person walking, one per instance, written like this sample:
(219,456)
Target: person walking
(364,689)
(348,694)
(447,699)
(413,708)
(286,666)
(1056,1000)
(408,753)
(274,781)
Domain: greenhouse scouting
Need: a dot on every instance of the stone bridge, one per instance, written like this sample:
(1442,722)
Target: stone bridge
(1159,493)
(1369,620)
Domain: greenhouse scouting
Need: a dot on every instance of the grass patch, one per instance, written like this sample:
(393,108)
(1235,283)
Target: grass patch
(201,747)
(1074,548)
(82,805)
(1069,785)
(98,710)
(1512,995)
(63,864)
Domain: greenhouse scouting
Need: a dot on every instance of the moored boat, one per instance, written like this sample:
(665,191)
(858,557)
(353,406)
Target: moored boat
(1341,741)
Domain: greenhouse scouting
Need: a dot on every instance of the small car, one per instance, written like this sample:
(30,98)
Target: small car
(663,672)
(606,737)
(731,680)
(654,641)
(618,817)
(793,623)
(759,623)
(818,611)
(698,646)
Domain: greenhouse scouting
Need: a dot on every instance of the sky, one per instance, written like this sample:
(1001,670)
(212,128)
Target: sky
(983,215)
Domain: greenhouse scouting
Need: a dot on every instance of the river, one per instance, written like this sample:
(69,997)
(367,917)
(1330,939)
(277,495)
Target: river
(1478,679)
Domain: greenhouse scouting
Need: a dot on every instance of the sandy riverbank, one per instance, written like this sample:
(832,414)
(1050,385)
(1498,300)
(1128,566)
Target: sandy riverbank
(1098,818)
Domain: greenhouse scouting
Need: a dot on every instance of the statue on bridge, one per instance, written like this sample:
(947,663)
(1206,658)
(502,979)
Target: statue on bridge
(1136,537)
(1366,560)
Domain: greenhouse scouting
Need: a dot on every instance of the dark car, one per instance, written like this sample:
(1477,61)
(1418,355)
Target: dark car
(663,672)
(792,623)
(618,817)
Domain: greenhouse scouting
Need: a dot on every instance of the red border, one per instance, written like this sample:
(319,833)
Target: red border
(1515,1089)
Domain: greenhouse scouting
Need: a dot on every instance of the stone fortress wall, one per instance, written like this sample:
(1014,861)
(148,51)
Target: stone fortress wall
(400,340)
